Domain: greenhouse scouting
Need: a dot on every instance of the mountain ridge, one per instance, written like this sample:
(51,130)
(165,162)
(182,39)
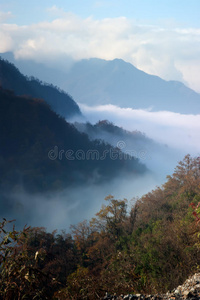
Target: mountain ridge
(12,79)
(97,81)
(120,83)
(42,153)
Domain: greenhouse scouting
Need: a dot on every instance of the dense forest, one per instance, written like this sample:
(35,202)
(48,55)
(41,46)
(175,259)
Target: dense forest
(104,126)
(152,247)
(35,145)
(134,141)
(60,101)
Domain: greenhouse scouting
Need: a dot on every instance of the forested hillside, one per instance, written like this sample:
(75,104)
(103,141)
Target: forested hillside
(134,141)
(150,248)
(60,101)
(41,151)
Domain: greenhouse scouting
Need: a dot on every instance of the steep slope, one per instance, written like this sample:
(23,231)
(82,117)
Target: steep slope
(149,249)
(60,102)
(117,136)
(40,151)
(44,72)
(96,81)
(135,143)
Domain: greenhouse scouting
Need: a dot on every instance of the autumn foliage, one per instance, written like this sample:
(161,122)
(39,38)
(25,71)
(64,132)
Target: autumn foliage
(152,247)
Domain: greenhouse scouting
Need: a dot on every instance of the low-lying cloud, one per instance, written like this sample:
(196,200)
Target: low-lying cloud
(170,52)
(177,131)
(176,136)
(59,210)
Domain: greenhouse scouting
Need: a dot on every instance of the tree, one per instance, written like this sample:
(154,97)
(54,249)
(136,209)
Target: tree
(20,275)
(111,217)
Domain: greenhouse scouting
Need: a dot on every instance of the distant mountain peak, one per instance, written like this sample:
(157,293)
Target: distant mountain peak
(97,81)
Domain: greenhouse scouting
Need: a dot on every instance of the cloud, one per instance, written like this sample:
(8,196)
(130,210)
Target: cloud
(169,52)
(177,131)
(4,16)
(56,11)
(58,210)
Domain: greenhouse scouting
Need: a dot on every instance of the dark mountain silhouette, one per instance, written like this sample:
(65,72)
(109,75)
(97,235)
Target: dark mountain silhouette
(44,72)
(40,151)
(60,101)
(95,81)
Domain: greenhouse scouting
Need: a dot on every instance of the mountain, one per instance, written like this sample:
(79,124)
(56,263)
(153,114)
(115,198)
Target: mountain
(134,143)
(45,72)
(60,101)
(40,151)
(125,140)
(96,82)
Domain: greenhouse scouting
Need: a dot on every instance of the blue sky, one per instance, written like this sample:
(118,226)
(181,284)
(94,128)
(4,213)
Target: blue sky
(160,37)
(185,12)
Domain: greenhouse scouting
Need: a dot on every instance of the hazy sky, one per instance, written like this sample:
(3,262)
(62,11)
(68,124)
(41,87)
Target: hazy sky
(161,37)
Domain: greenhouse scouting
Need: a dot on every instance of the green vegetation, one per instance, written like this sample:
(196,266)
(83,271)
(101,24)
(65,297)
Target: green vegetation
(151,248)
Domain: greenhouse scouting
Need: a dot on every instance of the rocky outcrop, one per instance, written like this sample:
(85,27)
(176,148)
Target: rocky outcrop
(190,290)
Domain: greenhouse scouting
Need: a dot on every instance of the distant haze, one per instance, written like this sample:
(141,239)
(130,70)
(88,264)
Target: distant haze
(158,37)
(98,82)
(176,134)
(178,131)
(107,55)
